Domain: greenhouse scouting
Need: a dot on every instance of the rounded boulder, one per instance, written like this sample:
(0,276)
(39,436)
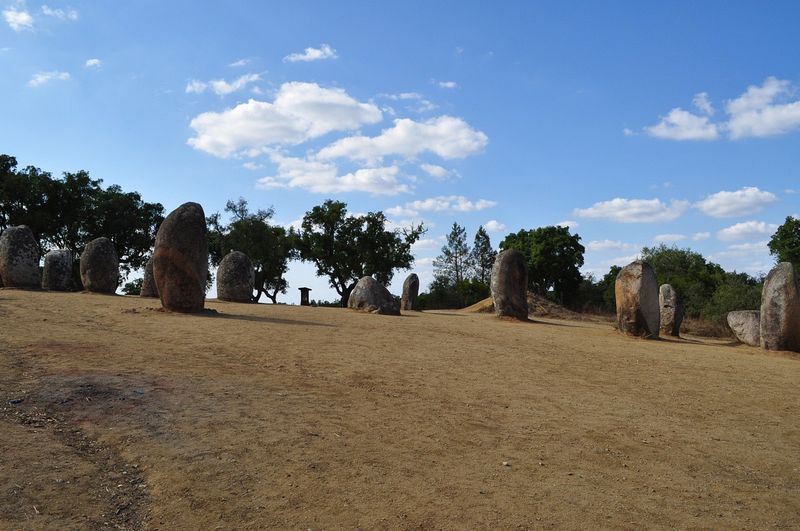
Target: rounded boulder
(19,258)
(57,272)
(369,295)
(510,285)
(235,278)
(410,292)
(745,325)
(100,266)
(180,259)
(636,291)
(780,310)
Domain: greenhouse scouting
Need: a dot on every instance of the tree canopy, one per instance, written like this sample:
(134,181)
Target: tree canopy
(345,248)
(785,243)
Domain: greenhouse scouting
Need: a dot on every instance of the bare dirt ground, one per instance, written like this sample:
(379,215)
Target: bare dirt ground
(116,415)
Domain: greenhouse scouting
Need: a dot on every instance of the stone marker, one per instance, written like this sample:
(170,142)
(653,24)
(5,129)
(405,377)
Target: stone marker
(100,266)
(180,259)
(235,278)
(745,325)
(410,291)
(149,288)
(636,291)
(510,285)
(57,272)
(369,295)
(19,258)
(671,307)
(780,310)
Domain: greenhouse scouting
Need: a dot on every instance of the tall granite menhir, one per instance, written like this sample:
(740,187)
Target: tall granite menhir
(671,307)
(57,272)
(149,289)
(19,258)
(100,266)
(636,291)
(235,278)
(180,259)
(780,309)
(410,292)
(510,285)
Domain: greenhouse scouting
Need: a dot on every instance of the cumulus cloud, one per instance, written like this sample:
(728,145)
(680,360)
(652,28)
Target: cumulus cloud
(221,87)
(18,19)
(323,178)
(59,13)
(494,226)
(442,203)
(703,104)
(609,245)
(448,84)
(568,223)
(93,63)
(747,230)
(312,54)
(634,210)
(240,62)
(697,236)
(41,78)
(764,110)
(299,112)
(667,238)
(726,204)
(446,136)
(437,172)
(425,244)
(679,124)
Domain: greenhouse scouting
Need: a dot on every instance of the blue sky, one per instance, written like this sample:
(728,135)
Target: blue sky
(633,122)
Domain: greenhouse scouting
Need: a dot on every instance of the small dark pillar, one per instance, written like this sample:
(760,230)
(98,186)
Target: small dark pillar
(304,296)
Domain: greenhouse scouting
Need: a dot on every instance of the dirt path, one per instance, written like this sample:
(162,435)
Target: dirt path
(295,417)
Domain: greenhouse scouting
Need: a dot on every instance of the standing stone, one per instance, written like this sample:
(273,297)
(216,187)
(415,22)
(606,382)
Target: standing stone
(149,288)
(180,259)
(510,285)
(671,307)
(19,258)
(636,291)
(235,278)
(745,325)
(410,292)
(780,310)
(369,295)
(57,273)
(100,266)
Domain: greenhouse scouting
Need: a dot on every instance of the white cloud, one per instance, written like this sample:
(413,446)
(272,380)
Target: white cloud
(665,238)
(442,203)
(240,62)
(221,87)
(448,84)
(747,230)
(683,125)
(568,223)
(742,250)
(195,86)
(18,19)
(300,111)
(40,78)
(634,210)
(697,236)
(323,178)
(703,104)
(726,204)
(629,132)
(426,244)
(609,245)
(791,191)
(418,102)
(249,165)
(623,260)
(60,13)
(764,110)
(312,54)
(494,226)
(437,172)
(93,63)
(446,136)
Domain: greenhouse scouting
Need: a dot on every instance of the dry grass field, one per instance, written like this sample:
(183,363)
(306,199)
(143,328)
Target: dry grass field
(114,414)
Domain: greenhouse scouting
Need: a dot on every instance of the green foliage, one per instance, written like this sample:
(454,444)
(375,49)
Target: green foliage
(345,248)
(134,287)
(597,295)
(554,258)
(737,291)
(269,247)
(455,262)
(785,243)
(483,256)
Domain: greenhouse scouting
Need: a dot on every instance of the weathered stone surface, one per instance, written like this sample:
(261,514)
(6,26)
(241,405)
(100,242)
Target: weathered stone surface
(369,295)
(780,310)
(235,278)
(745,325)
(100,266)
(57,273)
(636,291)
(510,285)
(180,259)
(410,291)
(19,258)
(671,307)
(149,288)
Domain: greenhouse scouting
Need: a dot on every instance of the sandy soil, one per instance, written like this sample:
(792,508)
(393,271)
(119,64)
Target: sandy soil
(117,415)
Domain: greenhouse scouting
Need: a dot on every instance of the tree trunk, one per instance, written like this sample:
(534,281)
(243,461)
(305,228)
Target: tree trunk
(346,294)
